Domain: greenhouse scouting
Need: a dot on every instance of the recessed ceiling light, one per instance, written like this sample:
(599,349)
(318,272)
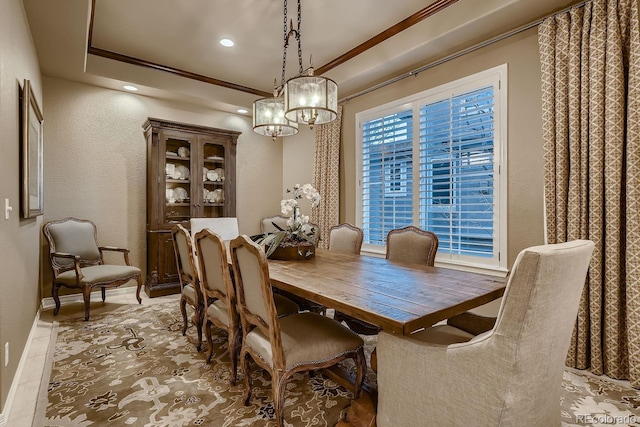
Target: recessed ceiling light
(226,42)
(130,88)
(242,110)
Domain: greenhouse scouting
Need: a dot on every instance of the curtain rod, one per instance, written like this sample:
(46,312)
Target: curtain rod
(466,51)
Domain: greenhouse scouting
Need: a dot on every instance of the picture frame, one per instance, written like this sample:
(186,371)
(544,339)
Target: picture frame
(32,154)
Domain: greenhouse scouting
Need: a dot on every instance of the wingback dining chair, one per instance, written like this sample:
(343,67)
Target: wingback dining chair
(77,261)
(190,292)
(284,346)
(508,376)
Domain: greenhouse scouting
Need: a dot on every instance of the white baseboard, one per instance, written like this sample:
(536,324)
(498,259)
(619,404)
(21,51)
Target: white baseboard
(4,415)
(48,303)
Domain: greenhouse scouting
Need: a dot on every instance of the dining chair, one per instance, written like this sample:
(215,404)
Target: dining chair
(219,296)
(284,346)
(190,292)
(510,375)
(274,223)
(412,245)
(225,227)
(409,244)
(77,261)
(345,238)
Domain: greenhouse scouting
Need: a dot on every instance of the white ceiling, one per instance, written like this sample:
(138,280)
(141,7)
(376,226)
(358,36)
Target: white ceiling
(184,35)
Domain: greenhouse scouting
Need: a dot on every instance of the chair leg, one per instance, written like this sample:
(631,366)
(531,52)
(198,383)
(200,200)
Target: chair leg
(207,332)
(183,310)
(104,293)
(247,377)
(361,365)
(234,347)
(139,281)
(279,383)
(86,293)
(199,319)
(56,298)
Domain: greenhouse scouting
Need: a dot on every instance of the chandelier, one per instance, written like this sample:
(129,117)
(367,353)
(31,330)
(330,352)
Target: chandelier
(305,98)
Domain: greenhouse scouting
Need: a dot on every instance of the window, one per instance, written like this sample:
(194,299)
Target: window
(459,190)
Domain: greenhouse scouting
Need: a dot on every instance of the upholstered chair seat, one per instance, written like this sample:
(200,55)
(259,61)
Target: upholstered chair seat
(307,339)
(77,261)
(99,274)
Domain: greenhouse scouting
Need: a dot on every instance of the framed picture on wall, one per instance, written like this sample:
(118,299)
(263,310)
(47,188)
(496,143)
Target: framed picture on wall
(32,151)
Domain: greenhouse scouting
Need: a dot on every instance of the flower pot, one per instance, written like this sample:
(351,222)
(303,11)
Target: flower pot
(295,252)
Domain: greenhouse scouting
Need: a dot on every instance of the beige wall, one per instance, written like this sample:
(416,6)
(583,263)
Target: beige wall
(524,146)
(19,298)
(95,161)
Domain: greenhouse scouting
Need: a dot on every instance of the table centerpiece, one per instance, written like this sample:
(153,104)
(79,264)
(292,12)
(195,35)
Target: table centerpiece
(298,240)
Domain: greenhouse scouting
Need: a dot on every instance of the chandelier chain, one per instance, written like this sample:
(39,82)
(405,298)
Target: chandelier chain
(285,43)
(298,37)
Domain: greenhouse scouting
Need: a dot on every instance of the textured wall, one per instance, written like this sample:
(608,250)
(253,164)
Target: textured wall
(19,298)
(524,138)
(95,162)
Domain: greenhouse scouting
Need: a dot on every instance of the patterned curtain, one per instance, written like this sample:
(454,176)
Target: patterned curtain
(590,60)
(326,176)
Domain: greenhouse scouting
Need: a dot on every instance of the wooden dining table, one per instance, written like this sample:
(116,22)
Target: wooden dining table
(398,297)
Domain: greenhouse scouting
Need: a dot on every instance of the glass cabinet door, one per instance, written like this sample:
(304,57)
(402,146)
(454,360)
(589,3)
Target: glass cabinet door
(213,179)
(179,178)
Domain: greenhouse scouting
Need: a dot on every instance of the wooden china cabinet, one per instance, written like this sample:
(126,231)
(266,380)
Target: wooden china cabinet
(191,172)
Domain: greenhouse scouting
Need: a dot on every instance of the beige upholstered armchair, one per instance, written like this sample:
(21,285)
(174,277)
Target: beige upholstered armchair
(508,376)
(284,346)
(77,261)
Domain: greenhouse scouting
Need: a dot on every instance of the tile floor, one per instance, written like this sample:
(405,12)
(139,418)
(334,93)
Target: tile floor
(24,403)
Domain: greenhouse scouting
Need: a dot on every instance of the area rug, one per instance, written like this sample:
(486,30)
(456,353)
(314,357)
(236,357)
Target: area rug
(133,367)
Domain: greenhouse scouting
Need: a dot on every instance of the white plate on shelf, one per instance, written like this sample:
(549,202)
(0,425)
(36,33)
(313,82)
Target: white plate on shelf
(171,153)
(180,194)
(220,173)
(183,152)
(218,196)
(170,169)
(169,194)
(212,175)
(205,171)
(184,171)
(216,158)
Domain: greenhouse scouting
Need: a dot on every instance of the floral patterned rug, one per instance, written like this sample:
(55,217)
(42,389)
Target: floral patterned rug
(133,367)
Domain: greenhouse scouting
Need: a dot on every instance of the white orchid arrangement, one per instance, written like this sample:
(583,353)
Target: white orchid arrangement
(299,230)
